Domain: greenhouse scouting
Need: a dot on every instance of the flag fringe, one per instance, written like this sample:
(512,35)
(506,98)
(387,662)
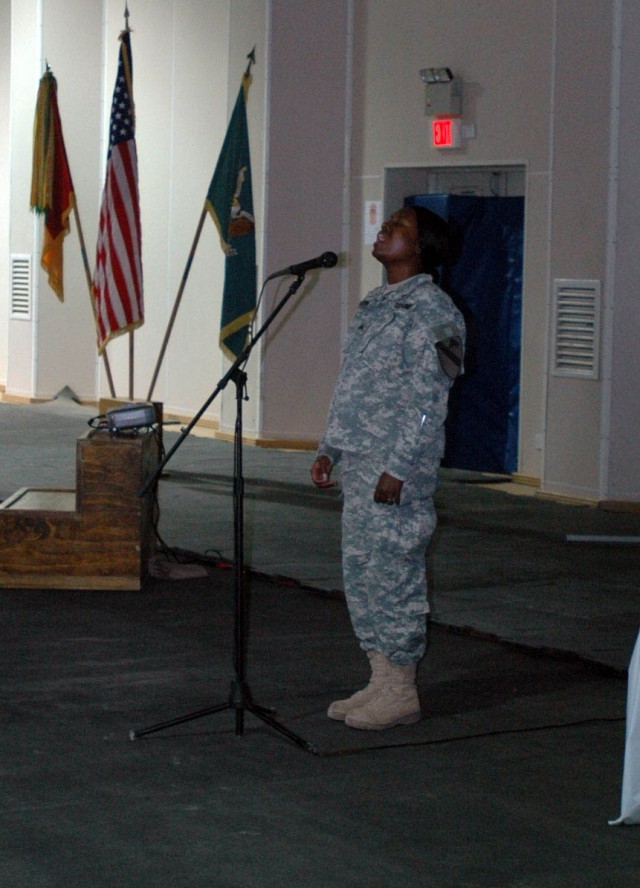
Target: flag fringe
(43,136)
(216,221)
(115,333)
(238,323)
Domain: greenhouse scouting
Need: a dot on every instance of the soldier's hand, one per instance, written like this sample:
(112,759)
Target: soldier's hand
(321,472)
(388,490)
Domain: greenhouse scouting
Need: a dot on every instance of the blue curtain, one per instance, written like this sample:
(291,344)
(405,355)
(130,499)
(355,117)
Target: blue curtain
(486,284)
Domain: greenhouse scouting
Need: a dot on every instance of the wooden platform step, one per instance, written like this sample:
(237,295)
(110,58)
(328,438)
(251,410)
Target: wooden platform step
(98,536)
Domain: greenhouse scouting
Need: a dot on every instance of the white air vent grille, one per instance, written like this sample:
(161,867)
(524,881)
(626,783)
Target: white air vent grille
(576,328)
(21,290)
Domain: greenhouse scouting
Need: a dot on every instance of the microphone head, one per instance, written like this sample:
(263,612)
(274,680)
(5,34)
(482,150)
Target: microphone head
(328,260)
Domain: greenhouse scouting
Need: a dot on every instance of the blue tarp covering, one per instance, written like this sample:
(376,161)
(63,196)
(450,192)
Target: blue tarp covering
(486,284)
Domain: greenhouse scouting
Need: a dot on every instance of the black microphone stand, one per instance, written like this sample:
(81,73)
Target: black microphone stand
(240,698)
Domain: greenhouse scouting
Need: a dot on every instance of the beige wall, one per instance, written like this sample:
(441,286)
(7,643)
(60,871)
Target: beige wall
(538,86)
(578,226)
(25,55)
(5,53)
(56,347)
(181,88)
(336,116)
(620,464)
(182,93)
(305,209)
(505,60)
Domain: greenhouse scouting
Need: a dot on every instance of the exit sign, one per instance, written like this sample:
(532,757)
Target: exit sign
(445,132)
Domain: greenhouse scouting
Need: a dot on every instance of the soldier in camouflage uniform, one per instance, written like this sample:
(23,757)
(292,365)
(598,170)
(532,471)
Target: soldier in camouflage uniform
(386,428)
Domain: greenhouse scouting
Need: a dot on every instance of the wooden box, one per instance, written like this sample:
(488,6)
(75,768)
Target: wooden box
(99,536)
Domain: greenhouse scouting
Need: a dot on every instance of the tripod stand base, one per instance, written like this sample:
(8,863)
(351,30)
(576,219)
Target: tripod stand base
(239,700)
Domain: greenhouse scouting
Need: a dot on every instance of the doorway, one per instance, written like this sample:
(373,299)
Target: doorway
(486,204)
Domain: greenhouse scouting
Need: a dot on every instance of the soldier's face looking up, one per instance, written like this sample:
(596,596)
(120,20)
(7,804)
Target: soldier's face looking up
(397,240)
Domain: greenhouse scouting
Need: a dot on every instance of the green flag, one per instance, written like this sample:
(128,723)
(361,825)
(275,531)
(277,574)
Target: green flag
(230,202)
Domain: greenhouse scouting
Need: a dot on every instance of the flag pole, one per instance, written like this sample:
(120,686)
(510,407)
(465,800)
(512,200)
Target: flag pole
(131,337)
(131,353)
(178,299)
(203,215)
(118,296)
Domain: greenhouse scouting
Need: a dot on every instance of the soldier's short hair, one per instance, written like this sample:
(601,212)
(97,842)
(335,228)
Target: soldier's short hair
(438,239)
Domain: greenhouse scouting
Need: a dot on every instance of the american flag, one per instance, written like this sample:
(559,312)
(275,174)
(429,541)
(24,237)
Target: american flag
(117,282)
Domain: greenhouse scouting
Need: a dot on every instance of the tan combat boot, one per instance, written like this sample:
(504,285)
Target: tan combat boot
(379,671)
(397,704)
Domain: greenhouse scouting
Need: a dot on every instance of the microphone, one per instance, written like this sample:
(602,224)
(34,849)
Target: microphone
(327,260)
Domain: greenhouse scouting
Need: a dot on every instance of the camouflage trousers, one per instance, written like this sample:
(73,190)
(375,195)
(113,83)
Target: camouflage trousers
(384,559)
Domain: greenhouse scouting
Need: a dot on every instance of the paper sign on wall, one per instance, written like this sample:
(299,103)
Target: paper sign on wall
(372,220)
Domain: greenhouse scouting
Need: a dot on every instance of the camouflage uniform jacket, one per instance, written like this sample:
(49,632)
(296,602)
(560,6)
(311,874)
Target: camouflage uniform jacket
(391,395)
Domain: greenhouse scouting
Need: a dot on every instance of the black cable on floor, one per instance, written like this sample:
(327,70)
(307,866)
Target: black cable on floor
(479,736)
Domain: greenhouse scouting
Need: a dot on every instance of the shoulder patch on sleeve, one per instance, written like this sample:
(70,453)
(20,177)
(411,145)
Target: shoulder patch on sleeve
(450,353)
